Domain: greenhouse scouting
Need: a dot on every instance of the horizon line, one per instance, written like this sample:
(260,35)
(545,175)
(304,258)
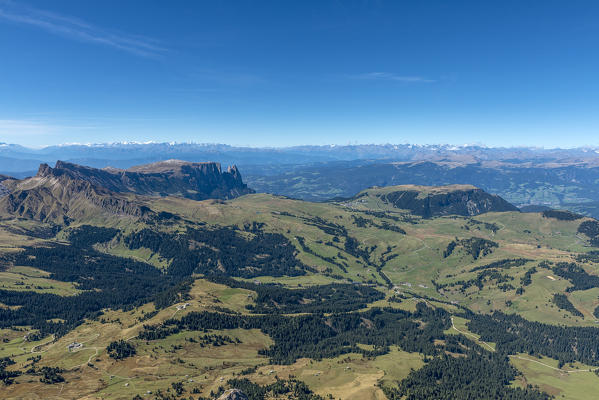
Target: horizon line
(448,146)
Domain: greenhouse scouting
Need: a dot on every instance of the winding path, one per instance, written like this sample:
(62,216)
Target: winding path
(88,360)
(471,335)
(38,345)
(520,357)
(552,367)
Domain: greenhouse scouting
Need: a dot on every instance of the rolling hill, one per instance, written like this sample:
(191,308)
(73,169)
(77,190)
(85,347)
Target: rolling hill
(361,298)
(435,201)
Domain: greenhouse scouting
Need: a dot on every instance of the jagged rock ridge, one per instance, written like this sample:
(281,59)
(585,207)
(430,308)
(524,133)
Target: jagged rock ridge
(61,198)
(197,181)
(70,191)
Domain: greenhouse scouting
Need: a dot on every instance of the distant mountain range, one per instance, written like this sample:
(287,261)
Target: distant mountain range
(556,178)
(19,159)
(570,186)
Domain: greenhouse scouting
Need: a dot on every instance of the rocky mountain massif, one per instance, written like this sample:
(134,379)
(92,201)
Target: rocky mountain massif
(196,181)
(555,178)
(69,191)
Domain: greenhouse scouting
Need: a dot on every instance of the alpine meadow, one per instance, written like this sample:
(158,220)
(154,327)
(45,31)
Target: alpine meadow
(266,200)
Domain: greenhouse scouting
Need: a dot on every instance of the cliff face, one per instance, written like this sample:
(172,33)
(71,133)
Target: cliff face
(458,200)
(62,197)
(197,181)
(70,191)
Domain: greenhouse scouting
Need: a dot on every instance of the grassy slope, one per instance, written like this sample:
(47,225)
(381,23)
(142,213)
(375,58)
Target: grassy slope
(573,381)
(419,261)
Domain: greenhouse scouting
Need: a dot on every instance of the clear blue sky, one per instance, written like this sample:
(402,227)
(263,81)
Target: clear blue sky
(293,72)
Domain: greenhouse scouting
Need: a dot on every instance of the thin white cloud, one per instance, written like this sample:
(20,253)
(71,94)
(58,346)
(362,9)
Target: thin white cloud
(77,29)
(387,76)
(18,128)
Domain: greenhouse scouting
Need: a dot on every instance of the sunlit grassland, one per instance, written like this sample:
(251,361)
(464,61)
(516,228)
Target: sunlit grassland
(419,262)
(21,278)
(576,384)
(350,376)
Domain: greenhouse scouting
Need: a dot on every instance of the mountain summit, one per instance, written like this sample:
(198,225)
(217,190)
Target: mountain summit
(69,191)
(433,201)
(196,181)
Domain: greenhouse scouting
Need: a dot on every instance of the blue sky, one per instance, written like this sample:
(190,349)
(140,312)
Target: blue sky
(278,73)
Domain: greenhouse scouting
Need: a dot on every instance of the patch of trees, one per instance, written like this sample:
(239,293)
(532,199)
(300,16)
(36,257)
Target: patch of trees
(291,388)
(318,336)
(362,222)
(352,246)
(7,377)
(503,264)
(527,278)
(222,251)
(36,231)
(474,246)
(166,217)
(115,282)
(478,246)
(562,302)
(107,282)
(450,248)
(591,230)
(562,215)
(51,375)
(120,350)
(173,294)
(489,226)
(330,260)
(485,276)
(596,312)
(392,216)
(327,227)
(331,298)
(254,227)
(213,340)
(591,256)
(514,334)
(478,374)
(576,275)
(87,235)
(386,257)
(470,371)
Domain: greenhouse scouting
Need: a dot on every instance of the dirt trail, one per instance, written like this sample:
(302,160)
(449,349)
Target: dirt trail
(471,335)
(571,371)
(520,357)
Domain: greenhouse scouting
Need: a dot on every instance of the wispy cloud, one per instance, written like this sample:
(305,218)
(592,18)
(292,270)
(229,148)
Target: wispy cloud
(18,128)
(387,76)
(77,29)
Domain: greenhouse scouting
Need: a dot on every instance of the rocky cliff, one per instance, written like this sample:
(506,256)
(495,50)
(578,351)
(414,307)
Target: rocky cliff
(197,181)
(70,191)
(57,197)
